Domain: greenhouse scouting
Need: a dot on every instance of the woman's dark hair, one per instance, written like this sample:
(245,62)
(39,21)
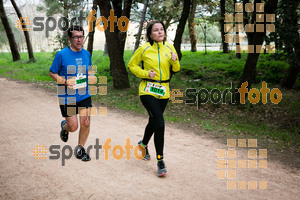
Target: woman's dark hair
(149,28)
(74,28)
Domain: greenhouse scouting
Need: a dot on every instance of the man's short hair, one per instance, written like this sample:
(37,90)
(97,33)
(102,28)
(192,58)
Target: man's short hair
(74,28)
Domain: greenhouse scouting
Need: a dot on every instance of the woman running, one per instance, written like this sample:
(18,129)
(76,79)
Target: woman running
(159,60)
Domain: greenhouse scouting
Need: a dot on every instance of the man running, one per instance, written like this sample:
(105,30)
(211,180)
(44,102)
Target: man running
(70,70)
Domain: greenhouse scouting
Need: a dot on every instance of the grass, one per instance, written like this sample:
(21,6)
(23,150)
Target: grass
(25,70)
(267,122)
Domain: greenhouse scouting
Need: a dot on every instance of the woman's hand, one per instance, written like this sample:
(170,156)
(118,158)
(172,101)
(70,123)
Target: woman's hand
(152,74)
(173,56)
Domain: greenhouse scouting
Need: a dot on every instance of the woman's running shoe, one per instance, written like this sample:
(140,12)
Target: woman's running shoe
(147,155)
(161,169)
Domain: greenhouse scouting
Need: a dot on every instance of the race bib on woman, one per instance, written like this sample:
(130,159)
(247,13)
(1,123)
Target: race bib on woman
(156,89)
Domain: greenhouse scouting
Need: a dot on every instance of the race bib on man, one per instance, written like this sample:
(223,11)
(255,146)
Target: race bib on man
(80,81)
(156,89)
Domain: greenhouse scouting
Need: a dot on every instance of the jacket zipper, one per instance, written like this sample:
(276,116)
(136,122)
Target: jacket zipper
(159,66)
(159,63)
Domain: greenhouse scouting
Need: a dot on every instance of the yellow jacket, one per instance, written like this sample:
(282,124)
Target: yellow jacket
(157,57)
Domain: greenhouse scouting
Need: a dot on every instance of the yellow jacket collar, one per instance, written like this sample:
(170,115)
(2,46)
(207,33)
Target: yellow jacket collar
(158,44)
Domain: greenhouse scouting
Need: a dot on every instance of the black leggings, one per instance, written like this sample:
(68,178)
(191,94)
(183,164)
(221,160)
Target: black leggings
(156,123)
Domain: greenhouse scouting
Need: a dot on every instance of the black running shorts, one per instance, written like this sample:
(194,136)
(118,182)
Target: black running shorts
(69,110)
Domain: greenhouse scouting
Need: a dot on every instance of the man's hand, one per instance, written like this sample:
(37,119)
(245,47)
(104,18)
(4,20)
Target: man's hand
(71,82)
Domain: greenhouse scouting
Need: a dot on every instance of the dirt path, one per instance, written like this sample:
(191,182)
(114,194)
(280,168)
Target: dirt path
(30,117)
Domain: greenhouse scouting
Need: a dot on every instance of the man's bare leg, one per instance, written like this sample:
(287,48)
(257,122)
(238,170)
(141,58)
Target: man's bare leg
(84,128)
(84,120)
(72,124)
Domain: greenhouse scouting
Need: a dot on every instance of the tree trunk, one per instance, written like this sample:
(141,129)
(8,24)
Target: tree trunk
(115,50)
(26,34)
(65,33)
(291,76)
(292,42)
(256,39)
(168,23)
(181,25)
(237,43)
(249,72)
(205,47)
(11,39)
(126,13)
(91,34)
(105,52)
(138,37)
(193,38)
(222,18)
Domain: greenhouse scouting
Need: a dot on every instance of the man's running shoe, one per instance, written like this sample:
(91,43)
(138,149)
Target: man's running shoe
(86,157)
(147,155)
(64,135)
(81,154)
(161,169)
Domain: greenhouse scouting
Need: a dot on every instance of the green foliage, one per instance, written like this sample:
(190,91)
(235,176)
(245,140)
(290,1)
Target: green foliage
(26,70)
(213,34)
(17,33)
(53,7)
(218,67)
(208,9)
(165,10)
(3,37)
(67,8)
(269,70)
(286,35)
(211,69)
(214,66)
(61,40)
